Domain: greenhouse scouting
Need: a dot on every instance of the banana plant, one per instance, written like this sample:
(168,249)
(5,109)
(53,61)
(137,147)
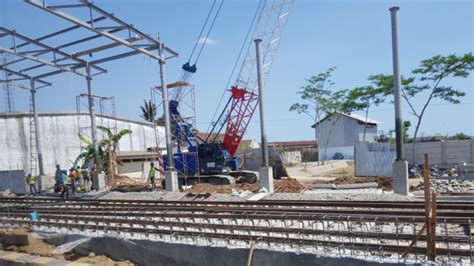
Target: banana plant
(109,146)
(87,152)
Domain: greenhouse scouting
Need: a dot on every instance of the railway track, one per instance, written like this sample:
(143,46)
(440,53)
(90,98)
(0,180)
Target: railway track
(353,225)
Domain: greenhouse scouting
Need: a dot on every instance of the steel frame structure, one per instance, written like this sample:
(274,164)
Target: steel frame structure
(35,142)
(62,61)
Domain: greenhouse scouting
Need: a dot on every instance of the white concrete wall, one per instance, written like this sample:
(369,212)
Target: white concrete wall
(291,157)
(374,159)
(441,152)
(59,138)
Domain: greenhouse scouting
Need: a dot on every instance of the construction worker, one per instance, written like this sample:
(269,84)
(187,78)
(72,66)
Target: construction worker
(151,175)
(66,183)
(58,174)
(86,178)
(31,181)
(73,179)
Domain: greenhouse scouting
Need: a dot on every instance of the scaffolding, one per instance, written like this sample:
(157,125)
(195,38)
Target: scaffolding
(184,94)
(107,116)
(33,58)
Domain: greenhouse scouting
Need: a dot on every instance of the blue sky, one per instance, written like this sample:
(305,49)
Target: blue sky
(354,36)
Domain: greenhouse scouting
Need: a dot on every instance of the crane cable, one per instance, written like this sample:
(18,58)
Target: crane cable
(189,69)
(213,124)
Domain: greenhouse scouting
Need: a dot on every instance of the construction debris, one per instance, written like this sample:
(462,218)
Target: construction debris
(385,183)
(126,184)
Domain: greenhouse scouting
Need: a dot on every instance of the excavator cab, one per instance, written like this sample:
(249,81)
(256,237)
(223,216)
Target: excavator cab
(214,159)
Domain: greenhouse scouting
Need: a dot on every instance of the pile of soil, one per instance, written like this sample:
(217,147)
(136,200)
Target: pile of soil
(102,260)
(288,186)
(281,186)
(124,183)
(36,247)
(226,189)
(385,183)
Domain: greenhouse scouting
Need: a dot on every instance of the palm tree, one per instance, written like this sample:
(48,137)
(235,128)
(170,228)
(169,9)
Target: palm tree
(148,111)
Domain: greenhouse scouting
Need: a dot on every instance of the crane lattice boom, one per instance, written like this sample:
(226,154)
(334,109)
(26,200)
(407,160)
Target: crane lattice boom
(269,27)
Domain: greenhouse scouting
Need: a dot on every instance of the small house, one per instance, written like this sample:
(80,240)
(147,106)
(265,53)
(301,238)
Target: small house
(342,132)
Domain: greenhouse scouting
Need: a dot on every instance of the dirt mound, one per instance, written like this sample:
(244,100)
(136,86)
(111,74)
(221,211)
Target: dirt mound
(103,261)
(384,183)
(124,183)
(209,188)
(35,246)
(289,186)
(281,186)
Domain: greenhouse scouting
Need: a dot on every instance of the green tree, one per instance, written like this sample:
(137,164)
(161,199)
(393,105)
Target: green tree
(148,111)
(109,146)
(430,74)
(371,95)
(318,99)
(87,153)
(406,127)
(313,94)
(461,136)
(107,150)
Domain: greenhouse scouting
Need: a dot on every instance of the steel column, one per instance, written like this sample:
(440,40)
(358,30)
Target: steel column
(169,146)
(263,133)
(397,84)
(37,131)
(92,115)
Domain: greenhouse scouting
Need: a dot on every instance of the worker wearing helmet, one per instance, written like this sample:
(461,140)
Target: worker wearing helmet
(31,181)
(151,175)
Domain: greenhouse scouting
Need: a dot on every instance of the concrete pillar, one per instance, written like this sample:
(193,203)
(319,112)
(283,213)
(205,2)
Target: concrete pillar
(171,176)
(400,180)
(400,166)
(266,178)
(444,160)
(472,151)
(98,166)
(171,181)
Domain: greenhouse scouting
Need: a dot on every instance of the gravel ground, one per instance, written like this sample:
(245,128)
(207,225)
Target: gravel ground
(353,194)
(153,195)
(450,186)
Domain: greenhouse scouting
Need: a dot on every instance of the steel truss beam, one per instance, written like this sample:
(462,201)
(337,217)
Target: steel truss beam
(101,30)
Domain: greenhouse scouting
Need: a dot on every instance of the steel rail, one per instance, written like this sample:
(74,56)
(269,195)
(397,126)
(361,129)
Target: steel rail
(90,211)
(146,222)
(454,205)
(241,237)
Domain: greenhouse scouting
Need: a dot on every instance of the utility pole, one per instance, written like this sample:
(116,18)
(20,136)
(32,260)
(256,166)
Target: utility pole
(171,177)
(266,172)
(37,132)
(400,166)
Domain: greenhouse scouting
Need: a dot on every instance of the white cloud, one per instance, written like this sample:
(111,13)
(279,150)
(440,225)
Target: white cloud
(207,41)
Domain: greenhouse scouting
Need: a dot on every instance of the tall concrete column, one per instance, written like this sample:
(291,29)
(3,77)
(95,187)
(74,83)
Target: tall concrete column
(265,173)
(98,166)
(400,166)
(263,133)
(39,148)
(171,177)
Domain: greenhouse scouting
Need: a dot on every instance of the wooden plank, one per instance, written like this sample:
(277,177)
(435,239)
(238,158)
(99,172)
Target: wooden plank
(427,191)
